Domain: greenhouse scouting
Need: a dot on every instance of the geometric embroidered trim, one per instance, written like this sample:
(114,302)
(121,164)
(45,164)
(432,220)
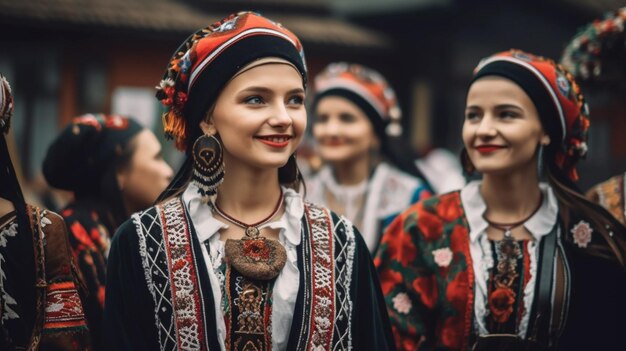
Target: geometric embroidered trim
(63,307)
(183,277)
(344,252)
(322,279)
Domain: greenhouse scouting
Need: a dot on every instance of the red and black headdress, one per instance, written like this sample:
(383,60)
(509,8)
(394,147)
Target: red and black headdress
(209,58)
(367,89)
(86,150)
(557,97)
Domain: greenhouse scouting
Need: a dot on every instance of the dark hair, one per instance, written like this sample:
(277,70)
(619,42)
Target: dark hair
(571,200)
(286,177)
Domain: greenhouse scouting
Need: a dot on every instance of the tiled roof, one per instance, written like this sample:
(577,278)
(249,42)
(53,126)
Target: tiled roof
(176,16)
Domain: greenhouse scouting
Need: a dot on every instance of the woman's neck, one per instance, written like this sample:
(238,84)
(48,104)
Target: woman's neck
(248,195)
(510,197)
(352,172)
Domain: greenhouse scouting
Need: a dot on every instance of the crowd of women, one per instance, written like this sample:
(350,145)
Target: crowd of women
(238,251)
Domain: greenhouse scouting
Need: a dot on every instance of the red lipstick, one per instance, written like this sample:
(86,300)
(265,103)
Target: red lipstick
(333,142)
(277,140)
(487,149)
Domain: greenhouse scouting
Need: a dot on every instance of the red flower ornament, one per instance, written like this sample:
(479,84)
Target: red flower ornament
(256,249)
(501,303)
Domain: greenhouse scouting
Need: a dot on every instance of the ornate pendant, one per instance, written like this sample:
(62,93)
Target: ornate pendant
(256,257)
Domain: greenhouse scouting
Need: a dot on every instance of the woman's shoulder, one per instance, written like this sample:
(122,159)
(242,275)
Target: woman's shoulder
(337,223)
(396,178)
(88,215)
(445,206)
(315,211)
(149,221)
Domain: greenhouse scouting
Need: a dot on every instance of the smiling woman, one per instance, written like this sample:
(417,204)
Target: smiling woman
(369,175)
(510,261)
(231,257)
(502,128)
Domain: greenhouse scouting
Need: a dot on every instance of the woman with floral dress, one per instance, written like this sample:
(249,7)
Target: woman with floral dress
(510,261)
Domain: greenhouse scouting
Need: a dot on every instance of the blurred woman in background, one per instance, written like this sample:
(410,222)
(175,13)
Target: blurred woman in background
(114,168)
(370,175)
(40,308)
(595,56)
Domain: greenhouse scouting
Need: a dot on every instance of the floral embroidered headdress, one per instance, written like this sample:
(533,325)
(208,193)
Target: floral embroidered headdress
(556,95)
(209,58)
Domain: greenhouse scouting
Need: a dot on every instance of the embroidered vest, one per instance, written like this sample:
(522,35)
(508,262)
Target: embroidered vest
(171,257)
(59,321)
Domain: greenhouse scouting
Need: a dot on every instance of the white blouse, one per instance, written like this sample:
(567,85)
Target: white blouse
(539,225)
(286,286)
(388,192)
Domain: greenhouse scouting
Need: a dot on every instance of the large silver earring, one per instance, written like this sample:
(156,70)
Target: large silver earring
(540,161)
(208,166)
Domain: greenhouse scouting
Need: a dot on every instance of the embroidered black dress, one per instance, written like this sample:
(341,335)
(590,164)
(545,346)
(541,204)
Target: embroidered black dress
(157,255)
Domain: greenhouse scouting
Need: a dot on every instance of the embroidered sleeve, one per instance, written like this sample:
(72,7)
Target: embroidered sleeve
(409,287)
(65,327)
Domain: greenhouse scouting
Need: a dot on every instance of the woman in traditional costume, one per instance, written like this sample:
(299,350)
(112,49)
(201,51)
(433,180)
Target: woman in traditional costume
(510,262)
(114,168)
(40,308)
(232,258)
(369,175)
(595,56)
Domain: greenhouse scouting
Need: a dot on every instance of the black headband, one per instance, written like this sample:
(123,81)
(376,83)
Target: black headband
(532,86)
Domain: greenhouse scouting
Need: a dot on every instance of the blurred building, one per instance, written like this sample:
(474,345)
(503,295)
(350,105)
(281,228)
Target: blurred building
(68,57)
(437,43)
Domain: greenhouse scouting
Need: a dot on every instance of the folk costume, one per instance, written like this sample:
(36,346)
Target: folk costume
(594,56)
(83,159)
(173,284)
(448,287)
(395,182)
(610,195)
(40,307)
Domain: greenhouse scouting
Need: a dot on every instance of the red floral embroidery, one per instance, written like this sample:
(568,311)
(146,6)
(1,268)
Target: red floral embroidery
(389,279)
(448,210)
(452,332)
(456,293)
(430,225)
(405,343)
(458,239)
(427,288)
(501,303)
(400,245)
(81,234)
(256,249)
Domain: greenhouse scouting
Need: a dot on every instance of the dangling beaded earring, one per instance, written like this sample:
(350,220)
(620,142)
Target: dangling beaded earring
(208,166)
